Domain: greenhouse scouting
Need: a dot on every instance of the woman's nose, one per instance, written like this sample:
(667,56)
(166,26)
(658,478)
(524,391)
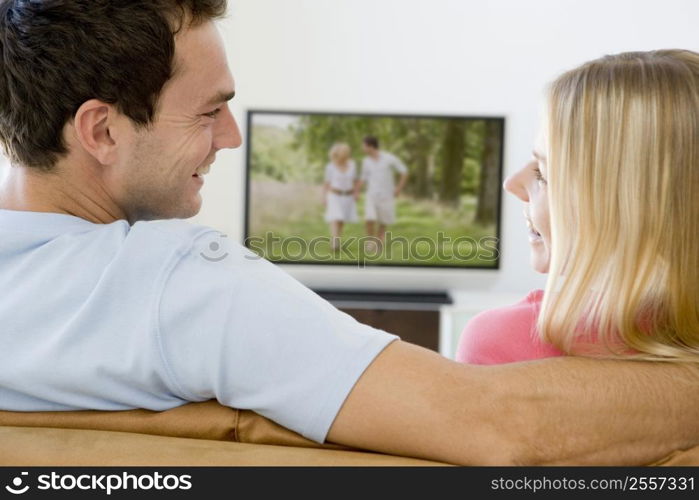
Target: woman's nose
(514,184)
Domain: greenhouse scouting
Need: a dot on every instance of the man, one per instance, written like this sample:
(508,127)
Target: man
(110,120)
(378,169)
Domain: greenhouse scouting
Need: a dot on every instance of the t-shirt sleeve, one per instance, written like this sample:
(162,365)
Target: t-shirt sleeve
(236,328)
(398,165)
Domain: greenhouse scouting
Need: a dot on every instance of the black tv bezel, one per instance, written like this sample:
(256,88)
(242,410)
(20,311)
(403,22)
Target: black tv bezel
(248,143)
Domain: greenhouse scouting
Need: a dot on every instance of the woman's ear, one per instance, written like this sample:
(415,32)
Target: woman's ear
(92,124)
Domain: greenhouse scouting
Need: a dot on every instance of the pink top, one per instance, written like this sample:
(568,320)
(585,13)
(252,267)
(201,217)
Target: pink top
(505,335)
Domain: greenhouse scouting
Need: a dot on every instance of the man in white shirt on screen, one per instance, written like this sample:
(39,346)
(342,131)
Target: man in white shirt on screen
(107,306)
(378,171)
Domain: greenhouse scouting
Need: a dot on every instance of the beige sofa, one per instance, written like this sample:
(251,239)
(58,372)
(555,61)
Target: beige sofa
(194,434)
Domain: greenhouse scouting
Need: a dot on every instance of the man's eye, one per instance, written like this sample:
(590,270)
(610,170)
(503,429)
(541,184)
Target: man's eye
(212,114)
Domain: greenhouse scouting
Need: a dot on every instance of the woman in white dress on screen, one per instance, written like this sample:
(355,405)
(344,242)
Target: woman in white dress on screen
(339,191)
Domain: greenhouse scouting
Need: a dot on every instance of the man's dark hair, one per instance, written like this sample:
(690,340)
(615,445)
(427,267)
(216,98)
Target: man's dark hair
(57,54)
(371,141)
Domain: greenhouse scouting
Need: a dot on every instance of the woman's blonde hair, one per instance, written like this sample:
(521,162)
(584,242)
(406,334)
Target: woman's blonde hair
(623,174)
(340,152)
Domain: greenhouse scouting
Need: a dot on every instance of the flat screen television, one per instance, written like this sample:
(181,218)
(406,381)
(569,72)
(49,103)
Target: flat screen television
(322,189)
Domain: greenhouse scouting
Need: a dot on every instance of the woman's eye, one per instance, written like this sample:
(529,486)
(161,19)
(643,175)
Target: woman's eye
(538,175)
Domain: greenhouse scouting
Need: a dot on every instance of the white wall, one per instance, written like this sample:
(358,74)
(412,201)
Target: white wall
(485,57)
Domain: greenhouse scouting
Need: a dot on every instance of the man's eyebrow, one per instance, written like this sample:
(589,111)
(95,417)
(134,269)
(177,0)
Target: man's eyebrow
(220,98)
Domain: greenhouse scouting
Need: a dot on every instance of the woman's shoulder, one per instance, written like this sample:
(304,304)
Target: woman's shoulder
(511,315)
(497,335)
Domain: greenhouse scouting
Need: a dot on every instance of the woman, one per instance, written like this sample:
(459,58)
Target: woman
(612,202)
(339,191)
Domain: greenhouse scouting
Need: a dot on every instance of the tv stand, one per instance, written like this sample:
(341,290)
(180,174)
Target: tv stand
(413,316)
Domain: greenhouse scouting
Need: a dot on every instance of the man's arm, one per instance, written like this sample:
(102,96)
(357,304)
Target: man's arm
(357,189)
(401,183)
(399,167)
(358,185)
(411,401)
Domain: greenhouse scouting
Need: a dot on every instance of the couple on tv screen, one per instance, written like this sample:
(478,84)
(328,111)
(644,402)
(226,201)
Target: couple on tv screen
(368,189)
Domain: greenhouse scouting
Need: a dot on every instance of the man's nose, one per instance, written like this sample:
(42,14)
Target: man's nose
(227,132)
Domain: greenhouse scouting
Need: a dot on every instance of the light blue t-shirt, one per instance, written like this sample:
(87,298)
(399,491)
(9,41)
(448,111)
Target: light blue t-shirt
(113,317)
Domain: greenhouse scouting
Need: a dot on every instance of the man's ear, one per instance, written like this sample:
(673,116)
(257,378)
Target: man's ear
(92,124)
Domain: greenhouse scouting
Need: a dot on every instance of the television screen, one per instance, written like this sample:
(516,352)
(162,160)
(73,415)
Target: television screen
(359,189)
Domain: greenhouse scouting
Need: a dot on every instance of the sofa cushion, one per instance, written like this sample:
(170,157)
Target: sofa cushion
(37,446)
(207,420)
